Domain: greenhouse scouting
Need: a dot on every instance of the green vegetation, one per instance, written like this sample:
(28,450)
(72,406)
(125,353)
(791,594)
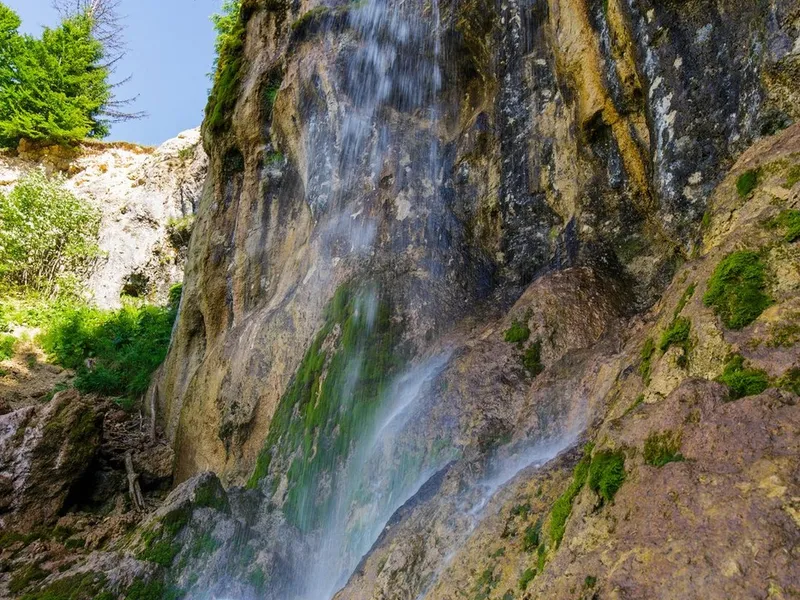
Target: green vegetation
(526,577)
(7,345)
(48,237)
(485,585)
(589,582)
(743,381)
(26,577)
(521,510)
(179,231)
(662,448)
(532,359)
(83,586)
(786,333)
(607,474)
(736,290)
(332,398)
(791,381)
(790,221)
(55,88)
(155,589)
(159,545)
(646,359)
(676,334)
(229,46)
(685,297)
(530,540)
(563,506)
(122,347)
(792,177)
(747,182)
(517,333)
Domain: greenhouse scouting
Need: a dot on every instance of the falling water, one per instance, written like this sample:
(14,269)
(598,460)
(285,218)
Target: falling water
(394,69)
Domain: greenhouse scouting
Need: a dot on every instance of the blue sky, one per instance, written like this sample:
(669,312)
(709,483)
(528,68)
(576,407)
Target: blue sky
(171,48)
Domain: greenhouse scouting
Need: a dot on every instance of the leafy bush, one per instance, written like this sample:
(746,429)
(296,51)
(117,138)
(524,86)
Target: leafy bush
(736,289)
(747,182)
(48,235)
(742,381)
(662,448)
(517,333)
(7,344)
(55,88)
(607,474)
(122,347)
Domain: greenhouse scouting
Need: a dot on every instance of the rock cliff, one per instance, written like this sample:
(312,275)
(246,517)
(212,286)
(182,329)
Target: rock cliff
(143,195)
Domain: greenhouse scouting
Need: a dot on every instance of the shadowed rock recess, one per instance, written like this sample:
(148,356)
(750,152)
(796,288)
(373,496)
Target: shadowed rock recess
(483,301)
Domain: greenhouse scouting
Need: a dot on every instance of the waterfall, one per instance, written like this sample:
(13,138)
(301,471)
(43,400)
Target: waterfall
(393,70)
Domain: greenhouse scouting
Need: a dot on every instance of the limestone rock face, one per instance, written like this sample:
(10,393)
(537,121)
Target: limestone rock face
(44,452)
(139,191)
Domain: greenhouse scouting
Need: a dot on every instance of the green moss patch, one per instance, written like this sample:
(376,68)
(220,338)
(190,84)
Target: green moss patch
(736,289)
(563,505)
(743,381)
(747,182)
(517,333)
(526,577)
(646,359)
(84,586)
(332,399)
(159,545)
(662,448)
(789,220)
(532,359)
(531,538)
(607,474)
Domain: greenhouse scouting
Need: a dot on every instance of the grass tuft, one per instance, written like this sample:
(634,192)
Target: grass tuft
(517,333)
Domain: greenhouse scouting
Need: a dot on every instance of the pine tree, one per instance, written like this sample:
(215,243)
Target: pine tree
(54,88)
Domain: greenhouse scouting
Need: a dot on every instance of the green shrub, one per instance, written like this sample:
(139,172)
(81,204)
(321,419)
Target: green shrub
(747,182)
(607,474)
(48,234)
(517,333)
(742,381)
(7,345)
(736,290)
(563,505)
(125,346)
(532,359)
(646,359)
(662,448)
